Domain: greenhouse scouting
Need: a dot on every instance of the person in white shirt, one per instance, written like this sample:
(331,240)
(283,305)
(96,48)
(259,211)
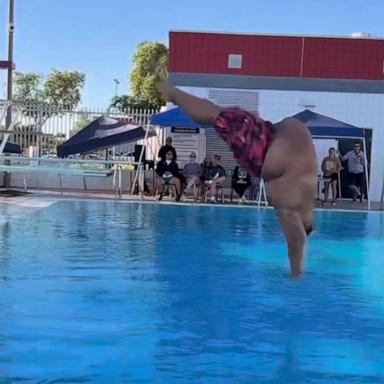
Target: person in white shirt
(356,164)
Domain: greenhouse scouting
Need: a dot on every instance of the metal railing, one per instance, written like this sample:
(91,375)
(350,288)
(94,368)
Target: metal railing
(43,127)
(74,167)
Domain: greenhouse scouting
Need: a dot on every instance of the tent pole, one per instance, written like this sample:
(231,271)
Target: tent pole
(159,142)
(366,172)
(338,175)
(140,168)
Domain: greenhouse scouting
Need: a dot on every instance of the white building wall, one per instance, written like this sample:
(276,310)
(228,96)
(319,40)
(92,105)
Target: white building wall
(361,110)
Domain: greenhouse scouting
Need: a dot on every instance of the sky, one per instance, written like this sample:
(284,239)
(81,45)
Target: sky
(99,37)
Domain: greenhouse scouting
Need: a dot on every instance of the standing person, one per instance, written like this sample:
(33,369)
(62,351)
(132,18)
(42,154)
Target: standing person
(167,147)
(241,180)
(356,163)
(331,166)
(282,154)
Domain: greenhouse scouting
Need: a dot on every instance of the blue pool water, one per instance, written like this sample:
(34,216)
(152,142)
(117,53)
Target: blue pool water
(102,292)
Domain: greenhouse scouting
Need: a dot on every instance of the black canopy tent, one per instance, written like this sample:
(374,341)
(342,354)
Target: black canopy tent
(102,133)
(10,148)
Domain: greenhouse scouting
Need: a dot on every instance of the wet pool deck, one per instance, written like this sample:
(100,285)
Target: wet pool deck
(42,198)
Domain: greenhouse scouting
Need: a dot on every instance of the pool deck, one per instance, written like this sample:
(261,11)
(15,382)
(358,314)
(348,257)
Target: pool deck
(38,199)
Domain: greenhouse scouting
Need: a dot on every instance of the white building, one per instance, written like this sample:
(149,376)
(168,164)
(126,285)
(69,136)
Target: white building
(279,76)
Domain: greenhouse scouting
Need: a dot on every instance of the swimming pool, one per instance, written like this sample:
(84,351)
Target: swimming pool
(106,292)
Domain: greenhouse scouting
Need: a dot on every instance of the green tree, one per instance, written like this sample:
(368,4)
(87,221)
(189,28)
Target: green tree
(125,103)
(150,62)
(60,90)
(28,87)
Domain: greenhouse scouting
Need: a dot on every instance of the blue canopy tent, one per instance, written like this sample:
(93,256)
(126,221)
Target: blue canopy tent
(325,127)
(175,117)
(101,133)
(11,148)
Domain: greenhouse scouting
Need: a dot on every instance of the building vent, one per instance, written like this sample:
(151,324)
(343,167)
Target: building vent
(235,61)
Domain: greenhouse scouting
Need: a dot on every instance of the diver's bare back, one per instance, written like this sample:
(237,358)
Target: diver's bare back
(290,168)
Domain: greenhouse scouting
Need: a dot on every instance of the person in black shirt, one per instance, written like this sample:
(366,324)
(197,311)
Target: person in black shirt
(167,147)
(168,174)
(241,180)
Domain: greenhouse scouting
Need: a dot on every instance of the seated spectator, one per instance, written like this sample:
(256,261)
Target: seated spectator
(168,174)
(214,177)
(167,147)
(204,165)
(192,173)
(241,180)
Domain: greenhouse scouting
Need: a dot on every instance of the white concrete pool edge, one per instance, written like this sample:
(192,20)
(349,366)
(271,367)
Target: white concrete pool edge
(40,201)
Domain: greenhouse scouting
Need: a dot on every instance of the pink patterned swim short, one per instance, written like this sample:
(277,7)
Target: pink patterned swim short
(248,135)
